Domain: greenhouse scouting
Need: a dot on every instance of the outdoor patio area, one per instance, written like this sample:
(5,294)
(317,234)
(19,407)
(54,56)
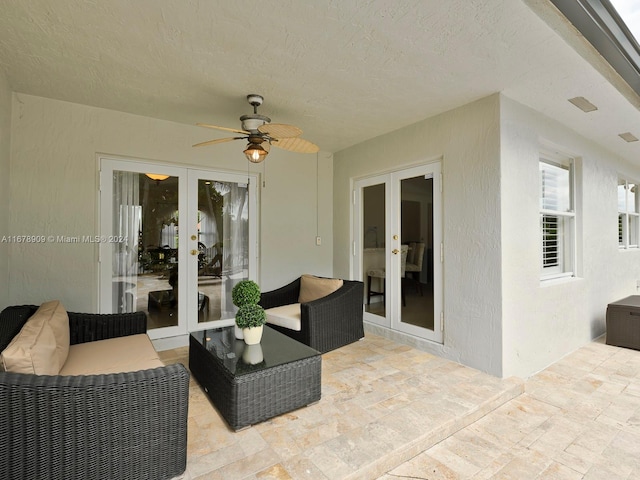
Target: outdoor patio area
(390,408)
(382,404)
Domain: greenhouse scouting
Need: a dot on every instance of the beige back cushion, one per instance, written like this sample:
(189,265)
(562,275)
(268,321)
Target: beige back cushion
(313,288)
(59,323)
(33,350)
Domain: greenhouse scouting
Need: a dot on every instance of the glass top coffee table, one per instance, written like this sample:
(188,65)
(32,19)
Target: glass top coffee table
(252,383)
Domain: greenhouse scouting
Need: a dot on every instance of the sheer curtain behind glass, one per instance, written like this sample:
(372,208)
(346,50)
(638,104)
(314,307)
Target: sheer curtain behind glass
(127,225)
(235,263)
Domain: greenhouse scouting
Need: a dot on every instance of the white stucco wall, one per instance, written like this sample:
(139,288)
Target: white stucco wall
(542,323)
(5,151)
(53,191)
(467,138)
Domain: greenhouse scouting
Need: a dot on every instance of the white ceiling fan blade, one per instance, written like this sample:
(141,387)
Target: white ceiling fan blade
(225,129)
(295,144)
(280,130)
(218,140)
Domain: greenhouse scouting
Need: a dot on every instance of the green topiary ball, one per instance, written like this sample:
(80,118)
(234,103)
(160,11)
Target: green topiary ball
(250,315)
(247,292)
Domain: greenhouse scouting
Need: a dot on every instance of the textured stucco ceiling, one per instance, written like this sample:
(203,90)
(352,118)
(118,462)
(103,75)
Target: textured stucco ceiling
(344,70)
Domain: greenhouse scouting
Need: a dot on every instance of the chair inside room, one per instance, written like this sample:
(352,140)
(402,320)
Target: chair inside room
(380,274)
(415,258)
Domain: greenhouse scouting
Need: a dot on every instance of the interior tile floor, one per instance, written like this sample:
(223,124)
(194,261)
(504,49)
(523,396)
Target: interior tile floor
(417,309)
(389,411)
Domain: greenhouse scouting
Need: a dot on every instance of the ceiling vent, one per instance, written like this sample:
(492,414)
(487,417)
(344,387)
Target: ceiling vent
(583,104)
(628,137)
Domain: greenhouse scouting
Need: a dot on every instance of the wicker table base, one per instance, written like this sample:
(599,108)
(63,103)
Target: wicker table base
(250,384)
(623,323)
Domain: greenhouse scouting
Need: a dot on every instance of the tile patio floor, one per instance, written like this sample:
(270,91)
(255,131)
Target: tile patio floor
(389,411)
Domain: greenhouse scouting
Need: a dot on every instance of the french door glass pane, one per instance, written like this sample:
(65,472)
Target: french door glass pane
(417,237)
(223,246)
(145,259)
(373,258)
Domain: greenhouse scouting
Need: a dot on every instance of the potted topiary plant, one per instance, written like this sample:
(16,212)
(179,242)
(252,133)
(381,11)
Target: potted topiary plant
(251,319)
(245,292)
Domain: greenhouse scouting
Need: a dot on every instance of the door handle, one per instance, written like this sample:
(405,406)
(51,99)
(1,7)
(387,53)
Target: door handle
(395,251)
(194,252)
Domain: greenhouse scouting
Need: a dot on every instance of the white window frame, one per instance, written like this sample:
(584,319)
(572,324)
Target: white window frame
(566,263)
(628,218)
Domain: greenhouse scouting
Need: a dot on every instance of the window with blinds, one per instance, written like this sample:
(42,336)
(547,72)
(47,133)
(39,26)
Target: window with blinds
(628,214)
(557,218)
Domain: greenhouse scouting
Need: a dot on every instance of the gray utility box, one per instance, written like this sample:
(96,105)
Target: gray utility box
(623,323)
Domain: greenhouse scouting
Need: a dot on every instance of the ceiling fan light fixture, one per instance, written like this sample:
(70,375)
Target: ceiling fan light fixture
(157,176)
(255,153)
(258,129)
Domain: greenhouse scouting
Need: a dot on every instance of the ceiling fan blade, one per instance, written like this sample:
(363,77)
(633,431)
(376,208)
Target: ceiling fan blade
(225,129)
(295,144)
(218,140)
(280,130)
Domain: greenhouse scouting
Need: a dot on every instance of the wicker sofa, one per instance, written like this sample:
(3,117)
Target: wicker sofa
(111,426)
(327,323)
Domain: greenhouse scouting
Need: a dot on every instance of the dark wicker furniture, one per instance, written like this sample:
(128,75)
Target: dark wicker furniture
(327,323)
(116,426)
(284,376)
(623,323)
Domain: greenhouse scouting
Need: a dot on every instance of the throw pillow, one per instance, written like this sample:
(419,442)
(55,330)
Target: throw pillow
(313,288)
(59,323)
(33,349)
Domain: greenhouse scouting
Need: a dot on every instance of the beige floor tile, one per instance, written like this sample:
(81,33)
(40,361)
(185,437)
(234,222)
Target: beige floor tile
(558,471)
(578,419)
(390,408)
(302,468)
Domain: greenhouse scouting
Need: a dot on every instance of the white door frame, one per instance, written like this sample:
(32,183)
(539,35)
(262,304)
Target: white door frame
(193,176)
(187,207)
(392,181)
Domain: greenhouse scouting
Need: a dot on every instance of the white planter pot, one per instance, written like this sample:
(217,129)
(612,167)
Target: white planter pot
(252,336)
(238,332)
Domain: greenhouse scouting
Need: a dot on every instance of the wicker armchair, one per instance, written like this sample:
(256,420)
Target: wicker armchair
(327,323)
(116,426)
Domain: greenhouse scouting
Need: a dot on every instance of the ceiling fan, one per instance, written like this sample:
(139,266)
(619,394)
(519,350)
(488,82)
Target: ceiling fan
(260,134)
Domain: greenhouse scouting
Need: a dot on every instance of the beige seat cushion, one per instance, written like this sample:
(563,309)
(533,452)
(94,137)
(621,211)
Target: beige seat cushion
(33,350)
(115,355)
(287,316)
(313,288)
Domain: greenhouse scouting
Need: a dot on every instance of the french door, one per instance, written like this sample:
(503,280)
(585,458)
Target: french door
(174,241)
(397,249)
